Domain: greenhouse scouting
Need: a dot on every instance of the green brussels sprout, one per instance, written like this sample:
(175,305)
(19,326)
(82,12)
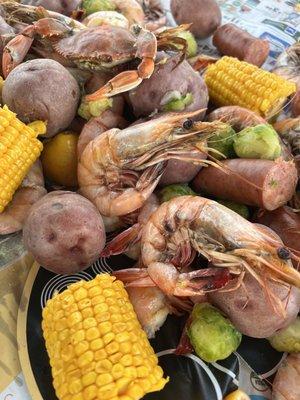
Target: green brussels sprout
(175,190)
(222,142)
(192,46)
(177,102)
(92,6)
(211,334)
(238,208)
(259,141)
(88,110)
(287,339)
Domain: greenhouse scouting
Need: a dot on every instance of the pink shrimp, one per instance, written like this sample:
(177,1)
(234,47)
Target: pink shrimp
(221,235)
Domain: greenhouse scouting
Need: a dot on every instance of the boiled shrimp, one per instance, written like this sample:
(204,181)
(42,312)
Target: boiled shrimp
(286,383)
(128,241)
(230,243)
(30,191)
(151,307)
(238,117)
(119,170)
(289,130)
(96,126)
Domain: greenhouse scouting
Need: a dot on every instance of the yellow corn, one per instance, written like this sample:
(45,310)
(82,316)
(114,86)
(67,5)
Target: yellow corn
(234,82)
(96,346)
(19,149)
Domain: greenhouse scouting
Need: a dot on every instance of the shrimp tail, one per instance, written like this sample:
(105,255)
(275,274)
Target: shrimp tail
(123,241)
(184,345)
(135,277)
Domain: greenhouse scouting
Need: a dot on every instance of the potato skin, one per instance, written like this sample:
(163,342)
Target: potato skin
(205,15)
(64,232)
(178,171)
(251,312)
(42,89)
(61,6)
(168,77)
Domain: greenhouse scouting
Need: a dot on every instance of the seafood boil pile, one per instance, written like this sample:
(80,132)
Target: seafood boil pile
(117,136)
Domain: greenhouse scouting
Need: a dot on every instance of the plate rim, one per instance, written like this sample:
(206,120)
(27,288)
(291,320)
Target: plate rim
(22,334)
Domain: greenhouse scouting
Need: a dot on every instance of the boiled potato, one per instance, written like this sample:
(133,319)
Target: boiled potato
(205,15)
(250,310)
(64,232)
(42,89)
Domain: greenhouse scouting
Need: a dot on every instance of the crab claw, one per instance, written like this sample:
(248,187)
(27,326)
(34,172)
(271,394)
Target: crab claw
(15,50)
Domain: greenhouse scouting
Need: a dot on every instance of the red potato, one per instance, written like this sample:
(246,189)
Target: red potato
(285,222)
(233,41)
(178,171)
(275,182)
(205,15)
(65,7)
(42,89)
(64,232)
(170,77)
(250,310)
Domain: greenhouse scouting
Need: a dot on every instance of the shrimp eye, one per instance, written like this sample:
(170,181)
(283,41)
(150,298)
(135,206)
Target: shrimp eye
(284,253)
(188,124)
(136,29)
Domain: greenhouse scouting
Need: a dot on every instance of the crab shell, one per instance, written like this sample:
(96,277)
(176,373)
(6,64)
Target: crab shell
(99,48)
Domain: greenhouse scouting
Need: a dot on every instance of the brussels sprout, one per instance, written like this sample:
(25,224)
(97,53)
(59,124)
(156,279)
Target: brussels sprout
(92,6)
(222,142)
(287,339)
(191,43)
(176,190)
(87,110)
(211,334)
(259,141)
(238,208)
(176,101)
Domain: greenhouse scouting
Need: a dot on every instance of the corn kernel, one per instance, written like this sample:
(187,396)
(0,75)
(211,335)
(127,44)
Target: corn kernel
(81,347)
(117,371)
(80,294)
(89,378)
(103,379)
(87,313)
(90,393)
(103,366)
(127,360)
(135,392)
(112,348)
(96,344)
(92,333)
(85,358)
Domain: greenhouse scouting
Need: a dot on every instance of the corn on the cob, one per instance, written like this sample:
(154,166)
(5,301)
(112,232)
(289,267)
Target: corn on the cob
(234,82)
(19,149)
(96,346)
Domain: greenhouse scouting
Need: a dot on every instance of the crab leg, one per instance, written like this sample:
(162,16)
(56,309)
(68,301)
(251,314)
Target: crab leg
(15,51)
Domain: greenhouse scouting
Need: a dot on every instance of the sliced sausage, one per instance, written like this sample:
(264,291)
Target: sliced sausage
(261,183)
(233,41)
